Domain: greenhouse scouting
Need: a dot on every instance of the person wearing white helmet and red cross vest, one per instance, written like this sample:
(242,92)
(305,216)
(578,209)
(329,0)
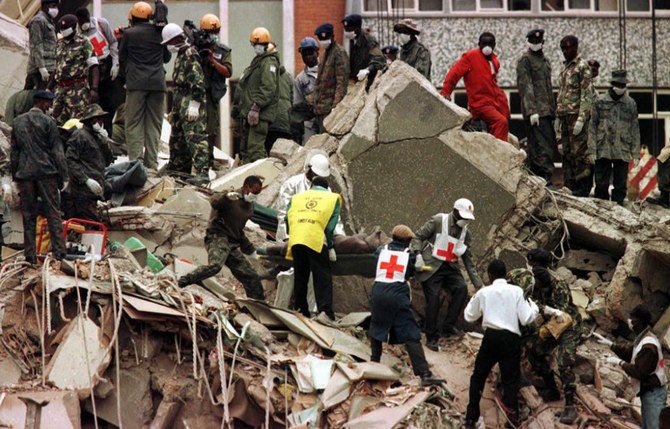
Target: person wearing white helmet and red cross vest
(442,242)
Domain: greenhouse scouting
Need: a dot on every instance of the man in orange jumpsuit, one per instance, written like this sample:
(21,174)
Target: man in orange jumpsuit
(479,70)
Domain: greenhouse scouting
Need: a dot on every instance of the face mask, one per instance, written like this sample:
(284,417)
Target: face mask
(404,38)
(325,43)
(214,38)
(487,50)
(67,32)
(259,49)
(250,198)
(313,69)
(173,49)
(349,35)
(86,26)
(49,111)
(535,46)
(53,12)
(462,223)
(618,91)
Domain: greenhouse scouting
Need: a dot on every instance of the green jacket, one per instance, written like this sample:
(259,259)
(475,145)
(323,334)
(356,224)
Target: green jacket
(364,53)
(281,122)
(533,78)
(331,79)
(417,56)
(614,132)
(259,84)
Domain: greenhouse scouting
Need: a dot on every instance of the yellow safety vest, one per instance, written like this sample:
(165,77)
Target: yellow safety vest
(308,217)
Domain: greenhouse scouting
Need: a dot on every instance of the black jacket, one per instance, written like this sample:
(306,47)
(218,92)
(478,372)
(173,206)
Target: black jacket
(142,56)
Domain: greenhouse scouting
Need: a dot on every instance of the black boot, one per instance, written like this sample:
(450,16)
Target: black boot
(663,200)
(569,414)
(550,392)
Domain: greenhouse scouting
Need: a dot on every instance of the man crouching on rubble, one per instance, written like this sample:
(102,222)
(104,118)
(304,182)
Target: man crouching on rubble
(646,367)
(392,317)
(225,240)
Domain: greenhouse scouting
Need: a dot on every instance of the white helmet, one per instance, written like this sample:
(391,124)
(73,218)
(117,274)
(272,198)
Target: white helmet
(319,165)
(465,208)
(171,31)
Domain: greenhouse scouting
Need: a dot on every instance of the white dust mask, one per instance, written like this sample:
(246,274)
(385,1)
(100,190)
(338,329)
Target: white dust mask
(487,50)
(53,12)
(535,46)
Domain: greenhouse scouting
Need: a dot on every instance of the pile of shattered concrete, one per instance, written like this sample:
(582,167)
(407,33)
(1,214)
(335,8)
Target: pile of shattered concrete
(112,341)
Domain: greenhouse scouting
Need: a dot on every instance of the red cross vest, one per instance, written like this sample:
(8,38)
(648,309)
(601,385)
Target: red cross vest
(98,40)
(650,338)
(446,247)
(392,266)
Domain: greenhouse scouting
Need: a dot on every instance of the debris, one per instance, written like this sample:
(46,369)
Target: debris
(585,260)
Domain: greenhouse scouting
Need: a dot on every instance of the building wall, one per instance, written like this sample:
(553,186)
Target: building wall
(309,14)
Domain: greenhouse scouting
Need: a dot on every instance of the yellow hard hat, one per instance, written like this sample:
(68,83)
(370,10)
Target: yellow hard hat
(260,35)
(210,22)
(72,123)
(141,10)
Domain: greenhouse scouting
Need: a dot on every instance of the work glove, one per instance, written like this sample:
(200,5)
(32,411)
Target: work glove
(254,115)
(557,128)
(94,186)
(362,74)
(114,71)
(602,340)
(664,155)
(579,125)
(419,262)
(552,312)
(44,73)
(591,159)
(535,119)
(254,255)
(193,110)
(332,256)
(102,134)
(613,360)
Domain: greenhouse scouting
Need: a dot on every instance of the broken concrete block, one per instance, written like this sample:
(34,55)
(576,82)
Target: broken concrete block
(165,415)
(566,275)
(614,378)
(284,149)
(343,117)
(598,310)
(57,409)
(585,260)
(189,205)
(14,47)
(662,329)
(268,168)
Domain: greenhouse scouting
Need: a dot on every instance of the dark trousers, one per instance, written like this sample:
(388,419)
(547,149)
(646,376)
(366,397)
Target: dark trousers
(504,348)
(47,190)
(414,351)
(614,171)
(111,93)
(34,81)
(541,142)
(663,176)
(305,262)
(448,277)
(273,136)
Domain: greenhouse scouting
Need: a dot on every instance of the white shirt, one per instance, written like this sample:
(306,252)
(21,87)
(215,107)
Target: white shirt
(503,307)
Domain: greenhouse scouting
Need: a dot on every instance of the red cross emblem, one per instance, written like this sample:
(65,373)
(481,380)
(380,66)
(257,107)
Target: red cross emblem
(662,363)
(98,45)
(447,254)
(392,266)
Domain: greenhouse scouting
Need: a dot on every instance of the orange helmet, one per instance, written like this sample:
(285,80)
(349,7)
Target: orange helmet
(260,35)
(141,10)
(210,22)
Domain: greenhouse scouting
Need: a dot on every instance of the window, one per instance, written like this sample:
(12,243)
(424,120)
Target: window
(405,5)
(490,5)
(601,5)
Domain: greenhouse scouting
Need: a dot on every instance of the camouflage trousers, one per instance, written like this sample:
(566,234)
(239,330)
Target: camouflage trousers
(540,351)
(220,252)
(541,142)
(577,172)
(188,140)
(252,147)
(71,102)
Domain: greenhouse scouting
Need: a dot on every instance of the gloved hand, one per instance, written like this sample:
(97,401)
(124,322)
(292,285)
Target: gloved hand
(579,125)
(362,74)
(552,312)
(192,112)
(254,115)
(591,159)
(419,262)
(613,360)
(254,255)
(332,256)
(535,119)
(664,155)
(114,71)
(103,134)
(94,186)
(44,73)
(557,128)
(603,340)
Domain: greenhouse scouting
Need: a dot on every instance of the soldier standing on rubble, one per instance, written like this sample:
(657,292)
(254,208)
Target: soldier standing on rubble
(575,99)
(614,138)
(304,86)
(87,155)
(225,240)
(442,241)
(331,79)
(412,51)
(538,105)
(77,73)
(38,167)
(366,59)
(392,317)
(42,41)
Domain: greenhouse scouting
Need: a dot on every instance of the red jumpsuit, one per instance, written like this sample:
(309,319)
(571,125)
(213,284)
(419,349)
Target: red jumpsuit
(486,101)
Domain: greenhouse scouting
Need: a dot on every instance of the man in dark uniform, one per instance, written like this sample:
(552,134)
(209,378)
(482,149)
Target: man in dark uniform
(225,240)
(538,105)
(412,51)
(392,317)
(42,42)
(364,54)
(38,167)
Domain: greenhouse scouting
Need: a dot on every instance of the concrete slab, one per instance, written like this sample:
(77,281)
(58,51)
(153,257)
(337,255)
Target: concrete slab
(268,168)
(187,201)
(14,48)
(60,411)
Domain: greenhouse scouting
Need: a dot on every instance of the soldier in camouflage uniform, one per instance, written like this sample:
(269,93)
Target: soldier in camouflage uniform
(412,51)
(42,41)
(366,59)
(538,105)
(76,66)
(331,79)
(189,150)
(38,167)
(225,240)
(614,138)
(575,99)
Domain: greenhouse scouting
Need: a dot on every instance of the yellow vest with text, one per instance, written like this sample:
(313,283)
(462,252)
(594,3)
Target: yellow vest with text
(308,217)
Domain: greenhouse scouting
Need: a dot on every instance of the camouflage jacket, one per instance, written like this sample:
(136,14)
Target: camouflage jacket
(37,150)
(551,291)
(331,79)
(575,93)
(533,78)
(42,41)
(87,158)
(365,52)
(74,57)
(259,84)
(417,56)
(614,132)
(188,77)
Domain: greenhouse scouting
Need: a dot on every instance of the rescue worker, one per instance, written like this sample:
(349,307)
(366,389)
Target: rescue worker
(18,103)
(479,69)
(663,178)
(391,53)
(554,300)
(303,88)
(442,241)
(310,222)
(106,48)
(257,96)
(412,51)
(77,72)
(614,138)
(643,361)
(573,108)
(538,105)
(503,309)
(217,63)
(365,57)
(280,128)
(87,155)
(42,42)
(332,77)
(594,65)
(142,56)
(390,303)
(189,151)
(225,239)
(38,167)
